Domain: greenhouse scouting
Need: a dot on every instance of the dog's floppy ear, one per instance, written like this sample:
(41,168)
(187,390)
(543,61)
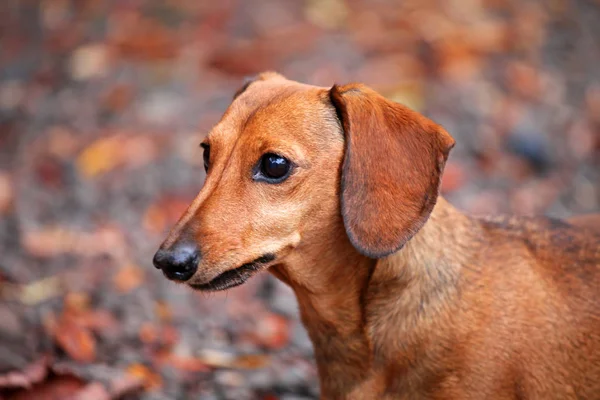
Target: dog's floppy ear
(391,171)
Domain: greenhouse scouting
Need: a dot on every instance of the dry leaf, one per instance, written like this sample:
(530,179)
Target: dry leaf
(77,302)
(97,320)
(62,143)
(134,36)
(108,153)
(128,278)
(89,61)
(221,359)
(76,340)
(31,374)
(163,335)
(93,391)
(163,311)
(52,241)
(183,363)
(39,291)
(251,361)
(273,331)
(6,192)
(150,379)
(101,156)
(118,98)
(125,385)
(328,14)
(60,387)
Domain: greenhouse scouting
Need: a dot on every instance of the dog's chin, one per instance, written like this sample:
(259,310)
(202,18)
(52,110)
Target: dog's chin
(234,277)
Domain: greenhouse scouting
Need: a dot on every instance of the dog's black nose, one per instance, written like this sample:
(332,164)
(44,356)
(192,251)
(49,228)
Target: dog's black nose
(179,262)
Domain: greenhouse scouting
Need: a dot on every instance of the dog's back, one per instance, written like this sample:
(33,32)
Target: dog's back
(542,293)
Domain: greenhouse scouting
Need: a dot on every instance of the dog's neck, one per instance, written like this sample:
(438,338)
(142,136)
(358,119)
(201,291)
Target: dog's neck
(339,287)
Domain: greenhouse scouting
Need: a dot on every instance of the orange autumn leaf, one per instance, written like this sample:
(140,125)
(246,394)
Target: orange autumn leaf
(97,320)
(77,341)
(183,363)
(77,302)
(60,387)
(6,192)
(273,331)
(51,241)
(223,359)
(251,361)
(163,311)
(118,98)
(151,380)
(163,335)
(101,156)
(190,364)
(128,278)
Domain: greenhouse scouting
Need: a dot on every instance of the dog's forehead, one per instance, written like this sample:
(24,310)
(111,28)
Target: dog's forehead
(271,102)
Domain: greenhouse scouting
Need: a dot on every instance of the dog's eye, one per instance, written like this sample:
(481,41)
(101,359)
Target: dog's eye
(206,156)
(274,167)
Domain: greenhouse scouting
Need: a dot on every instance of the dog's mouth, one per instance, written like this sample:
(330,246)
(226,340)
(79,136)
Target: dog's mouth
(234,277)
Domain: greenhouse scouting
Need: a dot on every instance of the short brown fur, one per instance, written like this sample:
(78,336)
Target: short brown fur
(403,296)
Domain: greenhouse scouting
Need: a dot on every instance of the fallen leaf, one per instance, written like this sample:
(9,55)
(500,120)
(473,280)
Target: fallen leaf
(89,61)
(128,278)
(251,361)
(62,143)
(96,320)
(222,359)
(40,291)
(101,156)
(60,387)
(183,363)
(125,385)
(118,98)
(76,340)
(108,153)
(163,311)
(328,14)
(30,375)
(93,391)
(150,379)
(76,302)
(273,331)
(54,240)
(134,36)
(161,335)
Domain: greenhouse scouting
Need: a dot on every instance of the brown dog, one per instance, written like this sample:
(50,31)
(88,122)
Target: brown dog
(335,191)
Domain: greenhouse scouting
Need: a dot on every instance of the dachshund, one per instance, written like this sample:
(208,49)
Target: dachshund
(335,191)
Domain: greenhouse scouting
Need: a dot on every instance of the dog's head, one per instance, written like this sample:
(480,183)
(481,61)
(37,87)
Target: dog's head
(292,168)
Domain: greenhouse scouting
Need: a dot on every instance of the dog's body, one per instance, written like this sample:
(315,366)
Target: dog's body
(402,300)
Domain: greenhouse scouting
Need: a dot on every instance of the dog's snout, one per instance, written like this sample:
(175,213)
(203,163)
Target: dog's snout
(179,262)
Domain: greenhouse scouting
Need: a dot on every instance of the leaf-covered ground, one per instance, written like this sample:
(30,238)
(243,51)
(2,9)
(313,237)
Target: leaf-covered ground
(103,105)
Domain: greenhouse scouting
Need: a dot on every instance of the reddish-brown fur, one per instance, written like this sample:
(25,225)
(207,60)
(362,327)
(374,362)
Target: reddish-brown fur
(454,307)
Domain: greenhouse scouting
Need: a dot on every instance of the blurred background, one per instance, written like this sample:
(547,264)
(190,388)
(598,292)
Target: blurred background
(103,104)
